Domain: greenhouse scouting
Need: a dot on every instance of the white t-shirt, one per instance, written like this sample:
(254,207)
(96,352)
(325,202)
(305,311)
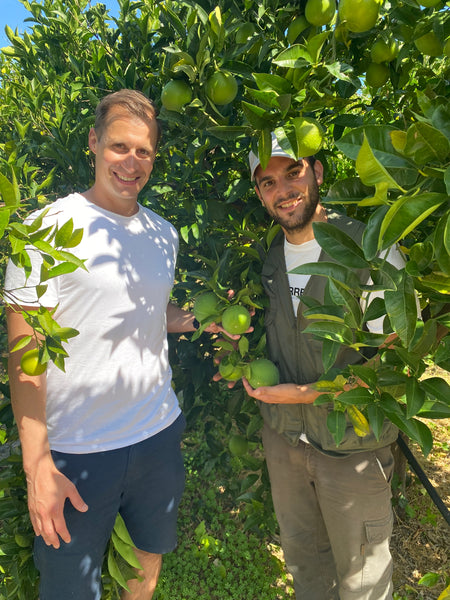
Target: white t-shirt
(116,389)
(309,252)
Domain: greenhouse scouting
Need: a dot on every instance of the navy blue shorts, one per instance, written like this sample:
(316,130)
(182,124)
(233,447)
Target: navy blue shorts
(143,482)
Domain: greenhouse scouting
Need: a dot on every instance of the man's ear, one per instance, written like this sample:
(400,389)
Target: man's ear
(318,172)
(92,139)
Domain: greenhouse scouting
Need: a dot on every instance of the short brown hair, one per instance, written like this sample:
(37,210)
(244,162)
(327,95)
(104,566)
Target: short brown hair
(134,102)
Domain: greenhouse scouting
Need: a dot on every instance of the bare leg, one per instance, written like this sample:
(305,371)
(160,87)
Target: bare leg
(151,568)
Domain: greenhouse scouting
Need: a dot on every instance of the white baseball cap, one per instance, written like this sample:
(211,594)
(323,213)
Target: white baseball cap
(277,150)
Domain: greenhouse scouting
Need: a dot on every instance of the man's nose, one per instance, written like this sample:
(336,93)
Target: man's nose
(130,161)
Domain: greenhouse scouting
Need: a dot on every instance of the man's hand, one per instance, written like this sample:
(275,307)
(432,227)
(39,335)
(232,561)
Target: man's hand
(283,393)
(48,489)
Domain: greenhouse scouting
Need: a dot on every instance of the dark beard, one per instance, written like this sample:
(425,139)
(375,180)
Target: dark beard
(304,217)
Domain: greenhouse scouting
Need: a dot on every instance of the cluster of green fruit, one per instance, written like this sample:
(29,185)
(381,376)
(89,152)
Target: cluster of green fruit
(234,363)
(221,88)
(360,16)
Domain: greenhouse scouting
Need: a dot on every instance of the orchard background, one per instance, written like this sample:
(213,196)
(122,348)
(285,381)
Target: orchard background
(370,81)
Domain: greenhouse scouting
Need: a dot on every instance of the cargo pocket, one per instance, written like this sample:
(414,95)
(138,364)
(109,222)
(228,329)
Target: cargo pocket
(377,560)
(379,530)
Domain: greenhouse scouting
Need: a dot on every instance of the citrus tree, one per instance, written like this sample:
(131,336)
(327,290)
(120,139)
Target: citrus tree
(363,84)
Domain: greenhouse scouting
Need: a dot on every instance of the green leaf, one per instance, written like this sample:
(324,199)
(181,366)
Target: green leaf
(340,246)
(332,270)
(121,530)
(366,374)
(329,330)
(330,350)
(402,309)
(371,235)
(371,170)
(374,310)
(406,214)
(64,234)
(438,282)
(376,418)
(264,147)
(296,56)
(314,45)
(125,550)
(22,343)
(357,396)
(9,191)
(114,570)
(447,179)
(430,579)
(337,424)
(441,243)
(256,116)
(425,437)
(379,139)
(243,345)
(426,144)
(270,82)
(4,219)
(437,388)
(415,397)
(342,296)
(435,410)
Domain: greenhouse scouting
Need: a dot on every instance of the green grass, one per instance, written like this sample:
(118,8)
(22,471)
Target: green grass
(217,559)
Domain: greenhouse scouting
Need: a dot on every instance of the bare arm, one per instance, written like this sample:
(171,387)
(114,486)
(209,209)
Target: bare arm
(283,393)
(291,393)
(47,487)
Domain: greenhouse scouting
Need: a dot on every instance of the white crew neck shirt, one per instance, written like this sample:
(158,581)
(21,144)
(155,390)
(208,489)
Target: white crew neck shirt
(116,390)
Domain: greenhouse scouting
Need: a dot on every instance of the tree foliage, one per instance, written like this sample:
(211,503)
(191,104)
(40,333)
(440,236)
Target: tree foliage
(386,152)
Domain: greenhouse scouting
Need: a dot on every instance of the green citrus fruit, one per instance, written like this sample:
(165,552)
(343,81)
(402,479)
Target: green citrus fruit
(205,306)
(382,51)
(377,75)
(30,364)
(429,3)
(175,94)
(295,28)
(230,372)
(221,88)
(263,373)
(236,319)
(244,32)
(238,445)
(309,134)
(359,15)
(429,44)
(320,12)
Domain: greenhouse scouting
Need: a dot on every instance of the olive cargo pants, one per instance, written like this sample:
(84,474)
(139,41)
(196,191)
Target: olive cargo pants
(335,519)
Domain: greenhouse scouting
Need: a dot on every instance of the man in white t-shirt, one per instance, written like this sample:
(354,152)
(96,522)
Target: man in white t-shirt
(104,436)
(332,502)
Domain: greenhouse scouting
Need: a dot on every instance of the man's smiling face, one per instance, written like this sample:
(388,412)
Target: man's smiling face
(289,190)
(124,157)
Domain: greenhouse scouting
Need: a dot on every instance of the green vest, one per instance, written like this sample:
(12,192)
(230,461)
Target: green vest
(299,357)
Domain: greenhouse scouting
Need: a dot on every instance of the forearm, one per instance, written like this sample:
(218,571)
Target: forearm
(179,320)
(284,393)
(28,397)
